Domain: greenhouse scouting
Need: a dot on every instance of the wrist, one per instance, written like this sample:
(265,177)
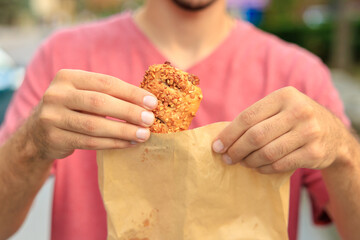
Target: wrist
(24,165)
(348,154)
(25,148)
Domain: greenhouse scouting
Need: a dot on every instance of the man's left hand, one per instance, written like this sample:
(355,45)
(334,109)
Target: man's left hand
(284,131)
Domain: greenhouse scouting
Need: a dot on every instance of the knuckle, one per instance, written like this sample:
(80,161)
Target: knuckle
(287,92)
(317,165)
(45,116)
(78,99)
(247,117)
(52,137)
(74,142)
(294,165)
(262,170)
(47,97)
(62,74)
(315,151)
(96,101)
(104,81)
(306,112)
(89,143)
(314,129)
(69,122)
(51,96)
(290,90)
(301,111)
(270,154)
(256,137)
(279,166)
(89,125)
(291,165)
(86,125)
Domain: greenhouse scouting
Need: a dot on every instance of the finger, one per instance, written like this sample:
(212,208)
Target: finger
(259,135)
(106,105)
(70,140)
(261,110)
(115,87)
(100,127)
(275,150)
(304,157)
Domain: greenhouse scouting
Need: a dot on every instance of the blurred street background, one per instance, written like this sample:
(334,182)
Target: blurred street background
(328,28)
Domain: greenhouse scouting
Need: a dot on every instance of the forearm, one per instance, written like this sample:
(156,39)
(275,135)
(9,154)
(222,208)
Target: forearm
(22,174)
(342,179)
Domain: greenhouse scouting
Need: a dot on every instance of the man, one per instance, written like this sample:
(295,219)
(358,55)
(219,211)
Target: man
(244,74)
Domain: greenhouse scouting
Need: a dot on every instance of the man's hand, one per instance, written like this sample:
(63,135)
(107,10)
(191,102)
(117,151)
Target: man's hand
(282,132)
(74,111)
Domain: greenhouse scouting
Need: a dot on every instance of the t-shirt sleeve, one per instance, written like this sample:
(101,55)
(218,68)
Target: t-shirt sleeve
(314,79)
(37,79)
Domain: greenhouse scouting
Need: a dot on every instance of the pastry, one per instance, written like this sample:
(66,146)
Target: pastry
(178,97)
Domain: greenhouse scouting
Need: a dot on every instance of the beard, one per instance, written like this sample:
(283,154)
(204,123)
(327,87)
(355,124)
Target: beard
(193,6)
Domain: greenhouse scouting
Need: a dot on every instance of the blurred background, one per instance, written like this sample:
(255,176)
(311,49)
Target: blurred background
(328,28)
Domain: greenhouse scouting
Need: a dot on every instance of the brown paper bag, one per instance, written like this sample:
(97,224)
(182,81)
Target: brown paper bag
(174,187)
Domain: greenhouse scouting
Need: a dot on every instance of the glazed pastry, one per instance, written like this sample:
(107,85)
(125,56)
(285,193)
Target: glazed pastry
(178,97)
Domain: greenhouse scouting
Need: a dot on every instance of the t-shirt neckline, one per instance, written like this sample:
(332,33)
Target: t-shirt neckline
(212,55)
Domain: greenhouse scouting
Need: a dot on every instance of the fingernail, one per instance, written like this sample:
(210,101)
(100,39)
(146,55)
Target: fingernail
(147,117)
(227,159)
(142,133)
(133,142)
(218,146)
(150,102)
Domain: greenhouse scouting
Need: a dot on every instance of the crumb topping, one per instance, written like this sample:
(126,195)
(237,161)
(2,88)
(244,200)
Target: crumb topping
(178,97)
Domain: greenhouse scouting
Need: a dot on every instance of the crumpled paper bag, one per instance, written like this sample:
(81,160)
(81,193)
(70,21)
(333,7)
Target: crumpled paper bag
(174,187)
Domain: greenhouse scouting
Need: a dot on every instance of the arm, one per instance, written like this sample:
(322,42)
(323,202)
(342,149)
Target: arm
(71,115)
(287,130)
(342,180)
(21,176)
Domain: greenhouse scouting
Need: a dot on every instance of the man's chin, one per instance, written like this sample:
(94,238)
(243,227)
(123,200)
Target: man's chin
(191,6)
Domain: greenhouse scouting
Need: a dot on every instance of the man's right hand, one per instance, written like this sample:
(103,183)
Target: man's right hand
(75,113)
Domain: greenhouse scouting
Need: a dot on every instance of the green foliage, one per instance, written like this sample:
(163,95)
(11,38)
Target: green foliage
(9,10)
(356,42)
(119,6)
(318,41)
(280,12)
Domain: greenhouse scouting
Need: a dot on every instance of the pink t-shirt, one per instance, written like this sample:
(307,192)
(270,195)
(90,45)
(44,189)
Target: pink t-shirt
(247,66)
